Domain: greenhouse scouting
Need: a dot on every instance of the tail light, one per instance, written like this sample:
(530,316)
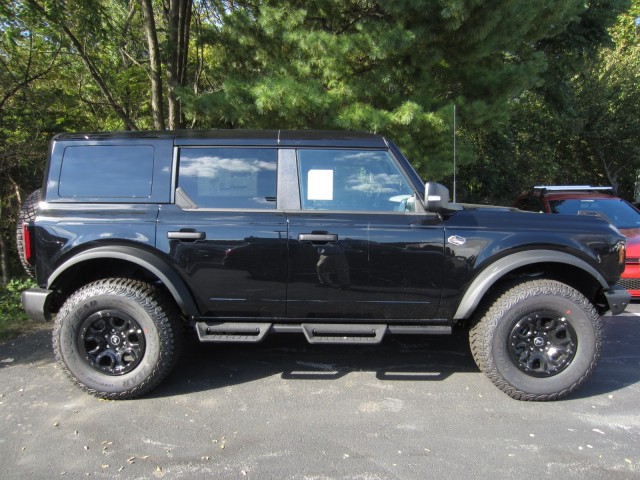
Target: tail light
(26,243)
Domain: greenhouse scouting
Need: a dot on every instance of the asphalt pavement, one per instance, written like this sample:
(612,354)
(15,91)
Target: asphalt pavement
(411,408)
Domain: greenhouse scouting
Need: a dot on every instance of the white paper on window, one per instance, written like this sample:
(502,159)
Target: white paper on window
(320,185)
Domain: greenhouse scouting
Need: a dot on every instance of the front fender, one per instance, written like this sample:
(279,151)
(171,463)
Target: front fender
(494,272)
(144,259)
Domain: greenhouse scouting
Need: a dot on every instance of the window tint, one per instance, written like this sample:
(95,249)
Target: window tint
(352,180)
(229,177)
(106,171)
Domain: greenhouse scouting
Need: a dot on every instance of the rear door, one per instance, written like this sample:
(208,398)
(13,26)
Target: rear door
(223,232)
(358,249)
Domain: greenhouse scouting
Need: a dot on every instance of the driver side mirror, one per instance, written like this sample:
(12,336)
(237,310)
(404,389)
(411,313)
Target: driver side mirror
(436,197)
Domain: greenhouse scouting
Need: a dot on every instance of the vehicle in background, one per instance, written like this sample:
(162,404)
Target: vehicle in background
(596,201)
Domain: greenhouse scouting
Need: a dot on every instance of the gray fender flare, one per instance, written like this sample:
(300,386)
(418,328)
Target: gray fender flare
(147,260)
(494,272)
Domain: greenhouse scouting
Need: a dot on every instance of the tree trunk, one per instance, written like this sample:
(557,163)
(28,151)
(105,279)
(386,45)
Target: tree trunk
(178,20)
(154,65)
(4,263)
(612,176)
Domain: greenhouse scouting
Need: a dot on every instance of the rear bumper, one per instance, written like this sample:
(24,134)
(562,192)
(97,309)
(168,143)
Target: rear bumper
(35,302)
(618,298)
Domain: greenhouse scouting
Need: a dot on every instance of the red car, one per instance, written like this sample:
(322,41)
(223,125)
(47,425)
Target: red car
(598,201)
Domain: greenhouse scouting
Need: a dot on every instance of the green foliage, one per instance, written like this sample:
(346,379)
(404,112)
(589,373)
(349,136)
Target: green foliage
(13,321)
(45,88)
(578,126)
(607,100)
(395,68)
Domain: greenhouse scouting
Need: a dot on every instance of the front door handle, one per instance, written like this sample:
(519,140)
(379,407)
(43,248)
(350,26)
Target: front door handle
(186,235)
(318,237)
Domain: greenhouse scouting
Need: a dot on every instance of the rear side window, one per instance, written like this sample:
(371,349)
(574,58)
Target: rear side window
(106,171)
(229,177)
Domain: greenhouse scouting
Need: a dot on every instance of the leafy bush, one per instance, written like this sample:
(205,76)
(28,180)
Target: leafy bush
(13,320)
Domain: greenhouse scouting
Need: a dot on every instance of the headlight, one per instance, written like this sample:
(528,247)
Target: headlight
(622,252)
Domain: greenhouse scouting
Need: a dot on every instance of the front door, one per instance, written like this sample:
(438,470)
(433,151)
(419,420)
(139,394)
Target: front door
(358,250)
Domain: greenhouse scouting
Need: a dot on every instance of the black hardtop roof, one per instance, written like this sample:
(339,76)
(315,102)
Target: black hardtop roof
(327,138)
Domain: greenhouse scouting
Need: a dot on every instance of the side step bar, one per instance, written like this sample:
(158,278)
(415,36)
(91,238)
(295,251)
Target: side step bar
(241,332)
(232,332)
(339,333)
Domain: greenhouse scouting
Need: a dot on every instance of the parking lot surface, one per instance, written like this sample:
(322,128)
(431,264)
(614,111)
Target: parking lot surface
(411,408)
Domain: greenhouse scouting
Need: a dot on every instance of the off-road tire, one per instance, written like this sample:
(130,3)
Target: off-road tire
(27,214)
(158,328)
(509,322)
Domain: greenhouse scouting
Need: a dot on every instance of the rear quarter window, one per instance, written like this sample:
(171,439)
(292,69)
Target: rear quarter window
(106,171)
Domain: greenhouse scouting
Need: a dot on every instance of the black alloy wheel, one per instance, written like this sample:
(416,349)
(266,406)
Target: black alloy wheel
(112,342)
(542,344)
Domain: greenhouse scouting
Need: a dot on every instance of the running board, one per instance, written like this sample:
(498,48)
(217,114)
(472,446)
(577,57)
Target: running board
(232,332)
(343,333)
(245,332)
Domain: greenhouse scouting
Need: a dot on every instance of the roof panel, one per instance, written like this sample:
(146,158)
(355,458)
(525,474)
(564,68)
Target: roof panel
(292,138)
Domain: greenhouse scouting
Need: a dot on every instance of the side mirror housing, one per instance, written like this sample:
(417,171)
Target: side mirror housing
(436,197)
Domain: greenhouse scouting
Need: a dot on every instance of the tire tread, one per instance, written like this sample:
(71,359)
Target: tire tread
(28,212)
(163,312)
(481,334)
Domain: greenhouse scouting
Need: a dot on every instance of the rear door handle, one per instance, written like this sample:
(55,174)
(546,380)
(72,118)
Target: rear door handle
(186,235)
(318,237)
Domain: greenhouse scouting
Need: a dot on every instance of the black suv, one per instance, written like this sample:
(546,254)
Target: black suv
(240,234)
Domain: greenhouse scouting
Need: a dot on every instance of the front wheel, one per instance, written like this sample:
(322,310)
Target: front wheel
(540,340)
(117,338)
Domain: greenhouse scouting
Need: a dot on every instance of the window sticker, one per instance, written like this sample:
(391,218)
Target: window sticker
(320,185)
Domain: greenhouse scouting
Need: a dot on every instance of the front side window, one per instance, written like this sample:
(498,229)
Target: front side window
(229,177)
(360,180)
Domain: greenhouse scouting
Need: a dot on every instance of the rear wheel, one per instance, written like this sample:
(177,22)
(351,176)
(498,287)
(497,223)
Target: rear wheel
(540,340)
(117,338)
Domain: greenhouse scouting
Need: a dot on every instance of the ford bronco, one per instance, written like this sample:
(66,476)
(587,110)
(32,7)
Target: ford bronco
(243,234)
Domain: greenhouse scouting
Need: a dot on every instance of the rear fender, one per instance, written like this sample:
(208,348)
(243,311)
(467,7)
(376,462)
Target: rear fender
(142,258)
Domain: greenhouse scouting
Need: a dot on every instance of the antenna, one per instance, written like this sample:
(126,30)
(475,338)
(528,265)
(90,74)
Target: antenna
(454,153)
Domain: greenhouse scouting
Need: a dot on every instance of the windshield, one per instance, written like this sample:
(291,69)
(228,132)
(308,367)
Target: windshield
(614,210)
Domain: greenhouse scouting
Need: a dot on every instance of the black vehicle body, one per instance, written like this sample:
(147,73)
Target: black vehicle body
(336,275)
